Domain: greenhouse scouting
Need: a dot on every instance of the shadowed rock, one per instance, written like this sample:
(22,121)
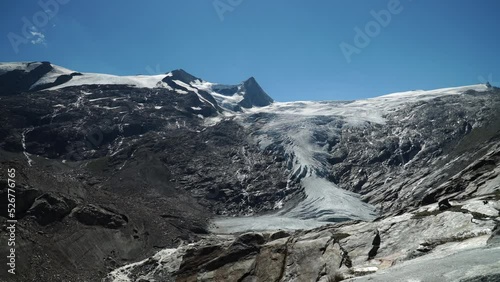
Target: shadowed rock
(95,215)
(376,245)
(50,207)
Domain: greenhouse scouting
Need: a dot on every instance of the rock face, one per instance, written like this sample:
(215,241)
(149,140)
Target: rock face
(304,256)
(114,128)
(427,238)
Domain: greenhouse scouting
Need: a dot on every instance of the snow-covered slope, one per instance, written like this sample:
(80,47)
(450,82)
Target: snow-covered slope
(52,77)
(366,110)
(17,66)
(147,81)
(143,81)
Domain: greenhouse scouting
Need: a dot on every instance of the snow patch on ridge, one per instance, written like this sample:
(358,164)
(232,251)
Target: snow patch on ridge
(52,75)
(225,101)
(12,66)
(359,111)
(142,81)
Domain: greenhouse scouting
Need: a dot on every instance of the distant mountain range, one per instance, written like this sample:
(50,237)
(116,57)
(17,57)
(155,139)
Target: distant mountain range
(112,169)
(36,76)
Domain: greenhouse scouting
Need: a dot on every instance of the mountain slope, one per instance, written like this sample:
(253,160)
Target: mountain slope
(110,173)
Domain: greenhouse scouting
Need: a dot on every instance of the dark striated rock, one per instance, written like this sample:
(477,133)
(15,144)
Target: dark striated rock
(494,239)
(250,239)
(279,234)
(444,204)
(483,278)
(305,256)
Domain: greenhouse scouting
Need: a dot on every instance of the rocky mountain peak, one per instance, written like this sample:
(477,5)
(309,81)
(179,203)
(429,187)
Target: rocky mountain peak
(250,80)
(182,75)
(254,94)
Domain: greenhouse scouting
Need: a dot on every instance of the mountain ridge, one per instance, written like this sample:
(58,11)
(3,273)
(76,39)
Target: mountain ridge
(65,75)
(35,76)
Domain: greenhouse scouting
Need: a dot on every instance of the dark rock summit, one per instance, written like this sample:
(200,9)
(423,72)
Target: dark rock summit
(183,76)
(254,95)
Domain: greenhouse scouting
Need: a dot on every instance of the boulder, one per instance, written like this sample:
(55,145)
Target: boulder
(95,215)
(50,207)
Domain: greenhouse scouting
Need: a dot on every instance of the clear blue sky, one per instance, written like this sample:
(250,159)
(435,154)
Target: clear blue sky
(291,47)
